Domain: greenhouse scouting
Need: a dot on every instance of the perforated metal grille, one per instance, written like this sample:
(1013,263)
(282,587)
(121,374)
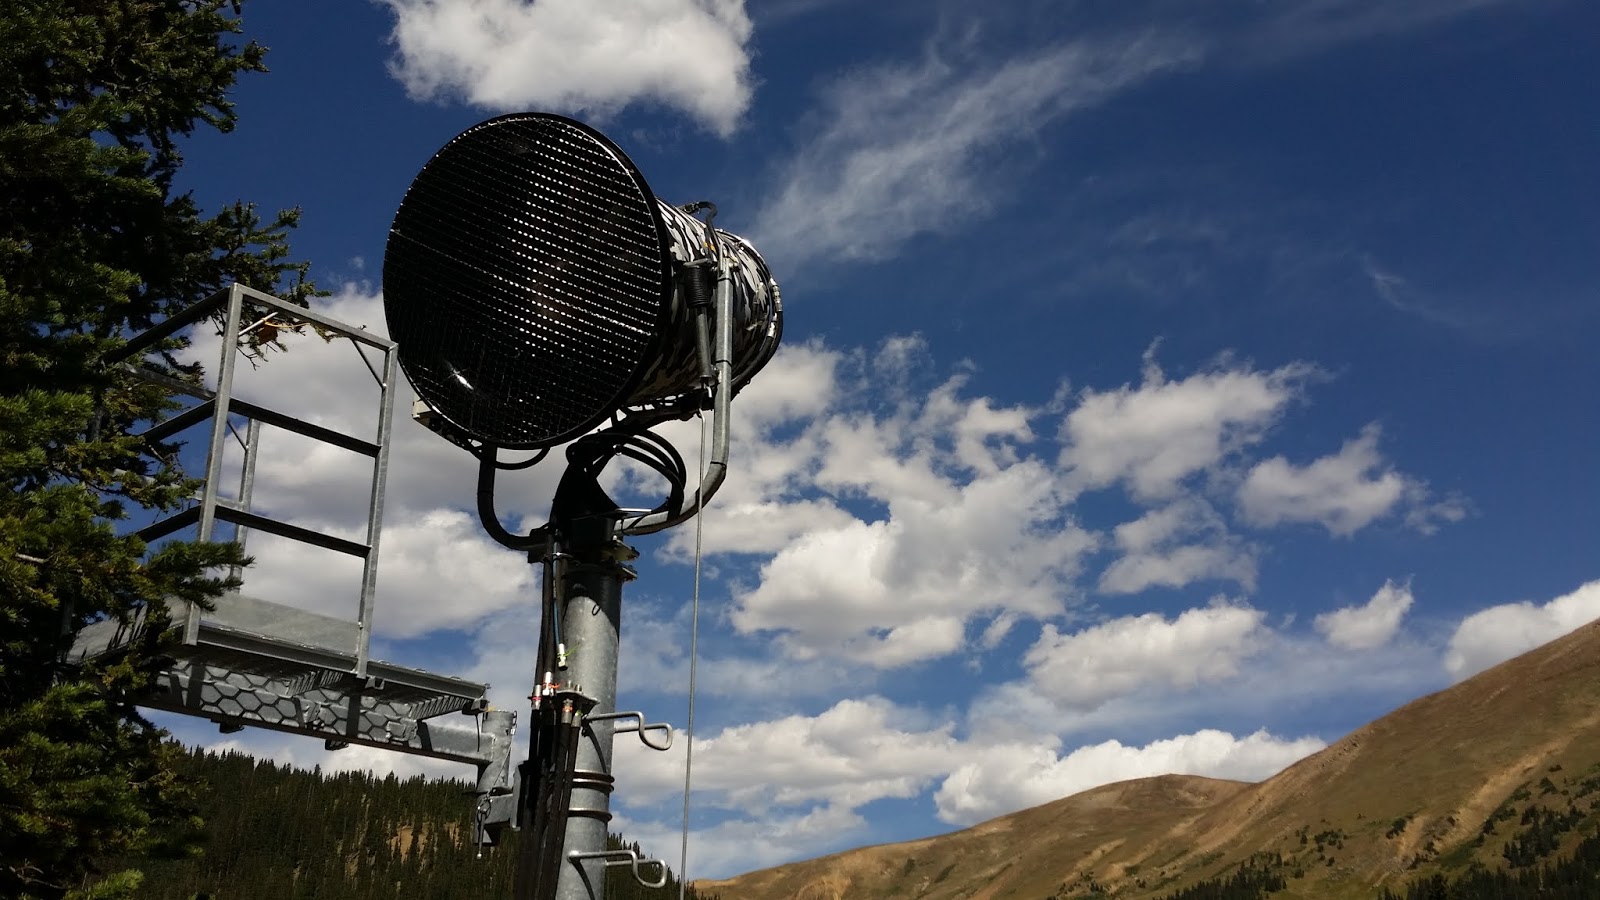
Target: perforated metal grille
(527,280)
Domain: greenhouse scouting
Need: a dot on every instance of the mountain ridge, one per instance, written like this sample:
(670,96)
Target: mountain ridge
(1418,791)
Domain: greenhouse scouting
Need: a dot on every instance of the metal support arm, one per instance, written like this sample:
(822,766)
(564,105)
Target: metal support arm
(717,460)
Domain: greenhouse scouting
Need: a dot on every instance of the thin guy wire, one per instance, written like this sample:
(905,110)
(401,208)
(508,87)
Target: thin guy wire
(694,653)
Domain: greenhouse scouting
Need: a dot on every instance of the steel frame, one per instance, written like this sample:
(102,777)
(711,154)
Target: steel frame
(251,661)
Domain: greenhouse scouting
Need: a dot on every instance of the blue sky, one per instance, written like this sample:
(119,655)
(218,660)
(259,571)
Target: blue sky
(1166,386)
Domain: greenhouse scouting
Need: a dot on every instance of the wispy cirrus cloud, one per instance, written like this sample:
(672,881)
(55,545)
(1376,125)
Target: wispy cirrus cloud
(899,150)
(1287,29)
(896,150)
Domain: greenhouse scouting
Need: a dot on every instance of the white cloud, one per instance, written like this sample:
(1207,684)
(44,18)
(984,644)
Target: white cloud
(1425,513)
(1305,26)
(890,519)
(776,450)
(1010,777)
(1279,669)
(654,660)
(436,571)
(900,150)
(1397,291)
(1174,546)
(1370,625)
(1343,493)
(861,751)
(1155,436)
(1088,668)
(1498,633)
(739,844)
(853,753)
(576,56)
(907,149)
(501,651)
(801,382)
(901,589)
(989,781)
(757,526)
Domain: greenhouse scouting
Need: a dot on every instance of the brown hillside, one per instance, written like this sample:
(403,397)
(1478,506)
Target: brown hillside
(1407,794)
(1002,853)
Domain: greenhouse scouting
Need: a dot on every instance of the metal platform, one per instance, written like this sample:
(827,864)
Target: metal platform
(254,661)
(273,666)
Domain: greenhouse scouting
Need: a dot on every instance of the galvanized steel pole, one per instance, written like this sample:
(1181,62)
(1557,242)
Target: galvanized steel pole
(592,614)
(588,595)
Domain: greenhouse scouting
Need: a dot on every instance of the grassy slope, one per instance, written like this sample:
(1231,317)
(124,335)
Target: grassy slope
(1443,764)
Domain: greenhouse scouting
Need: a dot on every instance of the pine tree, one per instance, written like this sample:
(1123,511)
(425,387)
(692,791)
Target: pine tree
(95,245)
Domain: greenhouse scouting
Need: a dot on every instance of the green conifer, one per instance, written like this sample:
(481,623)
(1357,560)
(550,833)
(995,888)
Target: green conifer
(95,245)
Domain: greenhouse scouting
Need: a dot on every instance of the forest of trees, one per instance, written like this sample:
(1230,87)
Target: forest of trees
(1574,877)
(1534,870)
(279,833)
(1248,882)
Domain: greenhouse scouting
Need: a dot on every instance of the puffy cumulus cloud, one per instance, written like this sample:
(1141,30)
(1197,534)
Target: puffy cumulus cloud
(757,526)
(853,753)
(1283,669)
(902,589)
(501,652)
(766,502)
(801,382)
(1343,493)
(964,522)
(1498,633)
(739,844)
(1370,625)
(1086,669)
(1010,777)
(905,149)
(785,771)
(1154,436)
(440,571)
(967,515)
(654,661)
(577,56)
(1174,546)
(435,571)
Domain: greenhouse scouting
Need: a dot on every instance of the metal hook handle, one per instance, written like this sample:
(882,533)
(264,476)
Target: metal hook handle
(637,724)
(625,858)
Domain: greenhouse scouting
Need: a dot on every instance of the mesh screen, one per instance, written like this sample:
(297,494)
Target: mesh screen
(527,280)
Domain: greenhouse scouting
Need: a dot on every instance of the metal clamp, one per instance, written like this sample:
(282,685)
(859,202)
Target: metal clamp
(480,823)
(636,725)
(627,858)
